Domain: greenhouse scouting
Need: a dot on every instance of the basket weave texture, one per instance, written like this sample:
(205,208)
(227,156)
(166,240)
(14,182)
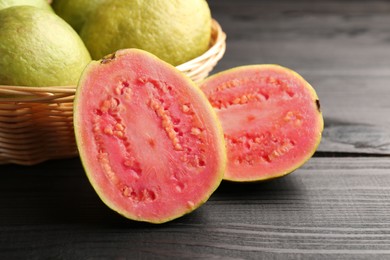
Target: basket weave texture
(37,125)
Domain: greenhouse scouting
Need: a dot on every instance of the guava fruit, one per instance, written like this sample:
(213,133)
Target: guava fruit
(175,31)
(271,120)
(75,12)
(37,3)
(38,48)
(149,140)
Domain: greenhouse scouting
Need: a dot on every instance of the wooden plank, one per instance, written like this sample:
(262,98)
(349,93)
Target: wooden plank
(335,37)
(356,113)
(329,208)
(341,47)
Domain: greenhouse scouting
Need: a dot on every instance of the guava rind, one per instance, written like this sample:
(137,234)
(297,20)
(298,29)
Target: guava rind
(43,4)
(174,31)
(126,72)
(38,48)
(276,97)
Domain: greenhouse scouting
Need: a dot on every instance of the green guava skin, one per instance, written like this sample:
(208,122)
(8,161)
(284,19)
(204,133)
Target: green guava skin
(75,12)
(176,31)
(38,48)
(43,4)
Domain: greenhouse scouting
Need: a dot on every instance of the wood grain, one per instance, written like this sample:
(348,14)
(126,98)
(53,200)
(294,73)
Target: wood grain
(329,208)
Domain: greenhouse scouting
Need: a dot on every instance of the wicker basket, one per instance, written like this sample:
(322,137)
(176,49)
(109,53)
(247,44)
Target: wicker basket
(38,125)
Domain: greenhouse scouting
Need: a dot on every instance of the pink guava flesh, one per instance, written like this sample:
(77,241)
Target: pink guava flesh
(271,120)
(148,138)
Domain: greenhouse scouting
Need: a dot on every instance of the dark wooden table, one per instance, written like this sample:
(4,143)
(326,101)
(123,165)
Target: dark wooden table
(337,206)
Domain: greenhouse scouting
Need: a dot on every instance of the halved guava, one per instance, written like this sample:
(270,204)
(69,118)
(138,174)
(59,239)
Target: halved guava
(149,140)
(271,120)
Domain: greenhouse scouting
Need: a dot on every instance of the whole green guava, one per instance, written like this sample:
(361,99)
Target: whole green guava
(174,30)
(37,3)
(38,48)
(75,12)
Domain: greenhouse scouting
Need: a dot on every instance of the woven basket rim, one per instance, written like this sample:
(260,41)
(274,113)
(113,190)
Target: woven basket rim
(217,48)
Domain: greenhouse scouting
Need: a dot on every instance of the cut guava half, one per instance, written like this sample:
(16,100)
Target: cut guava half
(148,138)
(271,119)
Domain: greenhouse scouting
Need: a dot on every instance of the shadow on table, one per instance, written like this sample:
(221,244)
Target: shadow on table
(277,188)
(58,192)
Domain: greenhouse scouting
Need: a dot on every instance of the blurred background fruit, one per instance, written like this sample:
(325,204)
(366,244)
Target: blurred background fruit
(75,12)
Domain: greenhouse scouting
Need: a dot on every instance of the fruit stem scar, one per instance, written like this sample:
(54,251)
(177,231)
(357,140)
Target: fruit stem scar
(318,105)
(108,58)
